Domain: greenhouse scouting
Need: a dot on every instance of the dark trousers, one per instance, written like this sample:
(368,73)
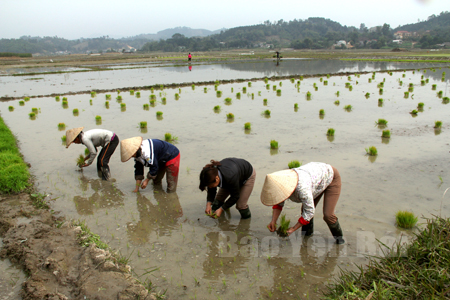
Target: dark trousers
(105,155)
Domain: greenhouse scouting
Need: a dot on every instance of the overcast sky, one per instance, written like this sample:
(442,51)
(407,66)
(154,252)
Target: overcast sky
(72,19)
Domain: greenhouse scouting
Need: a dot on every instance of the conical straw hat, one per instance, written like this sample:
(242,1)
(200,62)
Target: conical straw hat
(72,134)
(278,186)
(129,147)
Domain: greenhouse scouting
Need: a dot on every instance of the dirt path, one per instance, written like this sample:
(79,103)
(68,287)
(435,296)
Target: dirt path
(57,267)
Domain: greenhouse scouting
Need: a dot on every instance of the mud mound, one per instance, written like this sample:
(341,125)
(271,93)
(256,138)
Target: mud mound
(58,267)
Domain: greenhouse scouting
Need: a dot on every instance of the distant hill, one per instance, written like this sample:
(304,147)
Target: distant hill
(168,33)
(439,22)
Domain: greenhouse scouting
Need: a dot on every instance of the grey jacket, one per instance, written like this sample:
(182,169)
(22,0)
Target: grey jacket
(96,138)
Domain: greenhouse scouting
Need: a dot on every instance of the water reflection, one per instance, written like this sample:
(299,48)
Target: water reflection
(385,140)
(161,217)
(105,195)
(372,158)
(437,131)
(225,253)
(330,138)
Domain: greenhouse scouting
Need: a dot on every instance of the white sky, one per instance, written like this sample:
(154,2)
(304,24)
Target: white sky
(72,19)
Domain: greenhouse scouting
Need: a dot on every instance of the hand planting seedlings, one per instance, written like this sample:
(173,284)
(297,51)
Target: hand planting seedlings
(284,226)
(372,151)
(273,144)
(437,124)
(330,132)
(405,219)
(80,161)
(386,134)
(294,164)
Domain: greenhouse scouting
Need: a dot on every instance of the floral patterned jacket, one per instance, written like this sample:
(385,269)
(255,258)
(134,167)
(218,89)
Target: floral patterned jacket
(313,179)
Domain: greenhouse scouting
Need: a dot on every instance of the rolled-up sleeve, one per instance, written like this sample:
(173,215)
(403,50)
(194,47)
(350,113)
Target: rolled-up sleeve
(138,170)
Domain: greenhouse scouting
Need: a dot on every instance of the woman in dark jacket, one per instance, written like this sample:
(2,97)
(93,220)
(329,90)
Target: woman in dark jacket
(235,177)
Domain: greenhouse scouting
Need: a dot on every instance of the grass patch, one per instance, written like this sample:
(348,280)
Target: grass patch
(405,219)
(14,173)
(38,201)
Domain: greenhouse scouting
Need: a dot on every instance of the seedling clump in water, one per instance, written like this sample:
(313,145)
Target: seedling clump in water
(386,134)
(437,124)
(80,160)
(372,151)
(330,132)
(273,144)
(294,164)
(382,122)
(284,226)
(247,126)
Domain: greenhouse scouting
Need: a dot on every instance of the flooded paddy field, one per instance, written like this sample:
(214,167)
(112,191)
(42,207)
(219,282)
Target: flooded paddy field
(196,257)
(125,76)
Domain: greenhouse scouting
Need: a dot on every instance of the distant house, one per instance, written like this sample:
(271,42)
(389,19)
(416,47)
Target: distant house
(404,34)
(444,45)
(397,41)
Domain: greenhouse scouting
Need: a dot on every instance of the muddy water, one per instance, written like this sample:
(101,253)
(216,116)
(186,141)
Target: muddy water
(147,74)
(11,279)
(202,258)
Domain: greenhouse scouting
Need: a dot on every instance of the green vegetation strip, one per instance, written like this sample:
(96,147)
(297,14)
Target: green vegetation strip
(418,270)
(14,174)
(12,54)
(400,60)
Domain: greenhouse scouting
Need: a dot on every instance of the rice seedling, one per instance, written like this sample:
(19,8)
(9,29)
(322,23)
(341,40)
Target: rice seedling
(410,89)
(314,85)
(420,105)
(217,108)
(322,112)
(273,144)
(61,126)
(294,164)
(386,134)
(292,80)
(219,94)
(330,132)
(337,102)
(90,102)
(86,152)
(138,94)
(93,93)
(143,124)
(266,80)
(295,105)
(347,84)
(308,95)
(372,151)
(337,93)
(228,101)
(168,137)
(80,160)
(35,110)
(123,106)
(244,90)
(284,226)
(119,97)
(268,86)
(410,84)
(413,112)
(98,119)
(301,77)
(177,96)
(64,99)
(440,93)
(433,87)
(403,75)
(380,91)
(381,122)
(266,113)
(278,92)
(108,97)
(238,95)
(348,107)
(349,78)
(65,104)
(370,80)
(316,88)
(152,102)
(437,124)
(32,115)
(445,100)
(107,104)
(152,97)
(10,108)
(406,95)
(159,114)
(75,111)
(405,219)
(265,102)
(230,116)
(320,79)
(57,98)
(63,139)
(422,82)
(253,96)
(367,95)
(26,99)
(380,85)
(325,82)
(247,126)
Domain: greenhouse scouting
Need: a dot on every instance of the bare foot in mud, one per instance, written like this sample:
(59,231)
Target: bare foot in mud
(144,183)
